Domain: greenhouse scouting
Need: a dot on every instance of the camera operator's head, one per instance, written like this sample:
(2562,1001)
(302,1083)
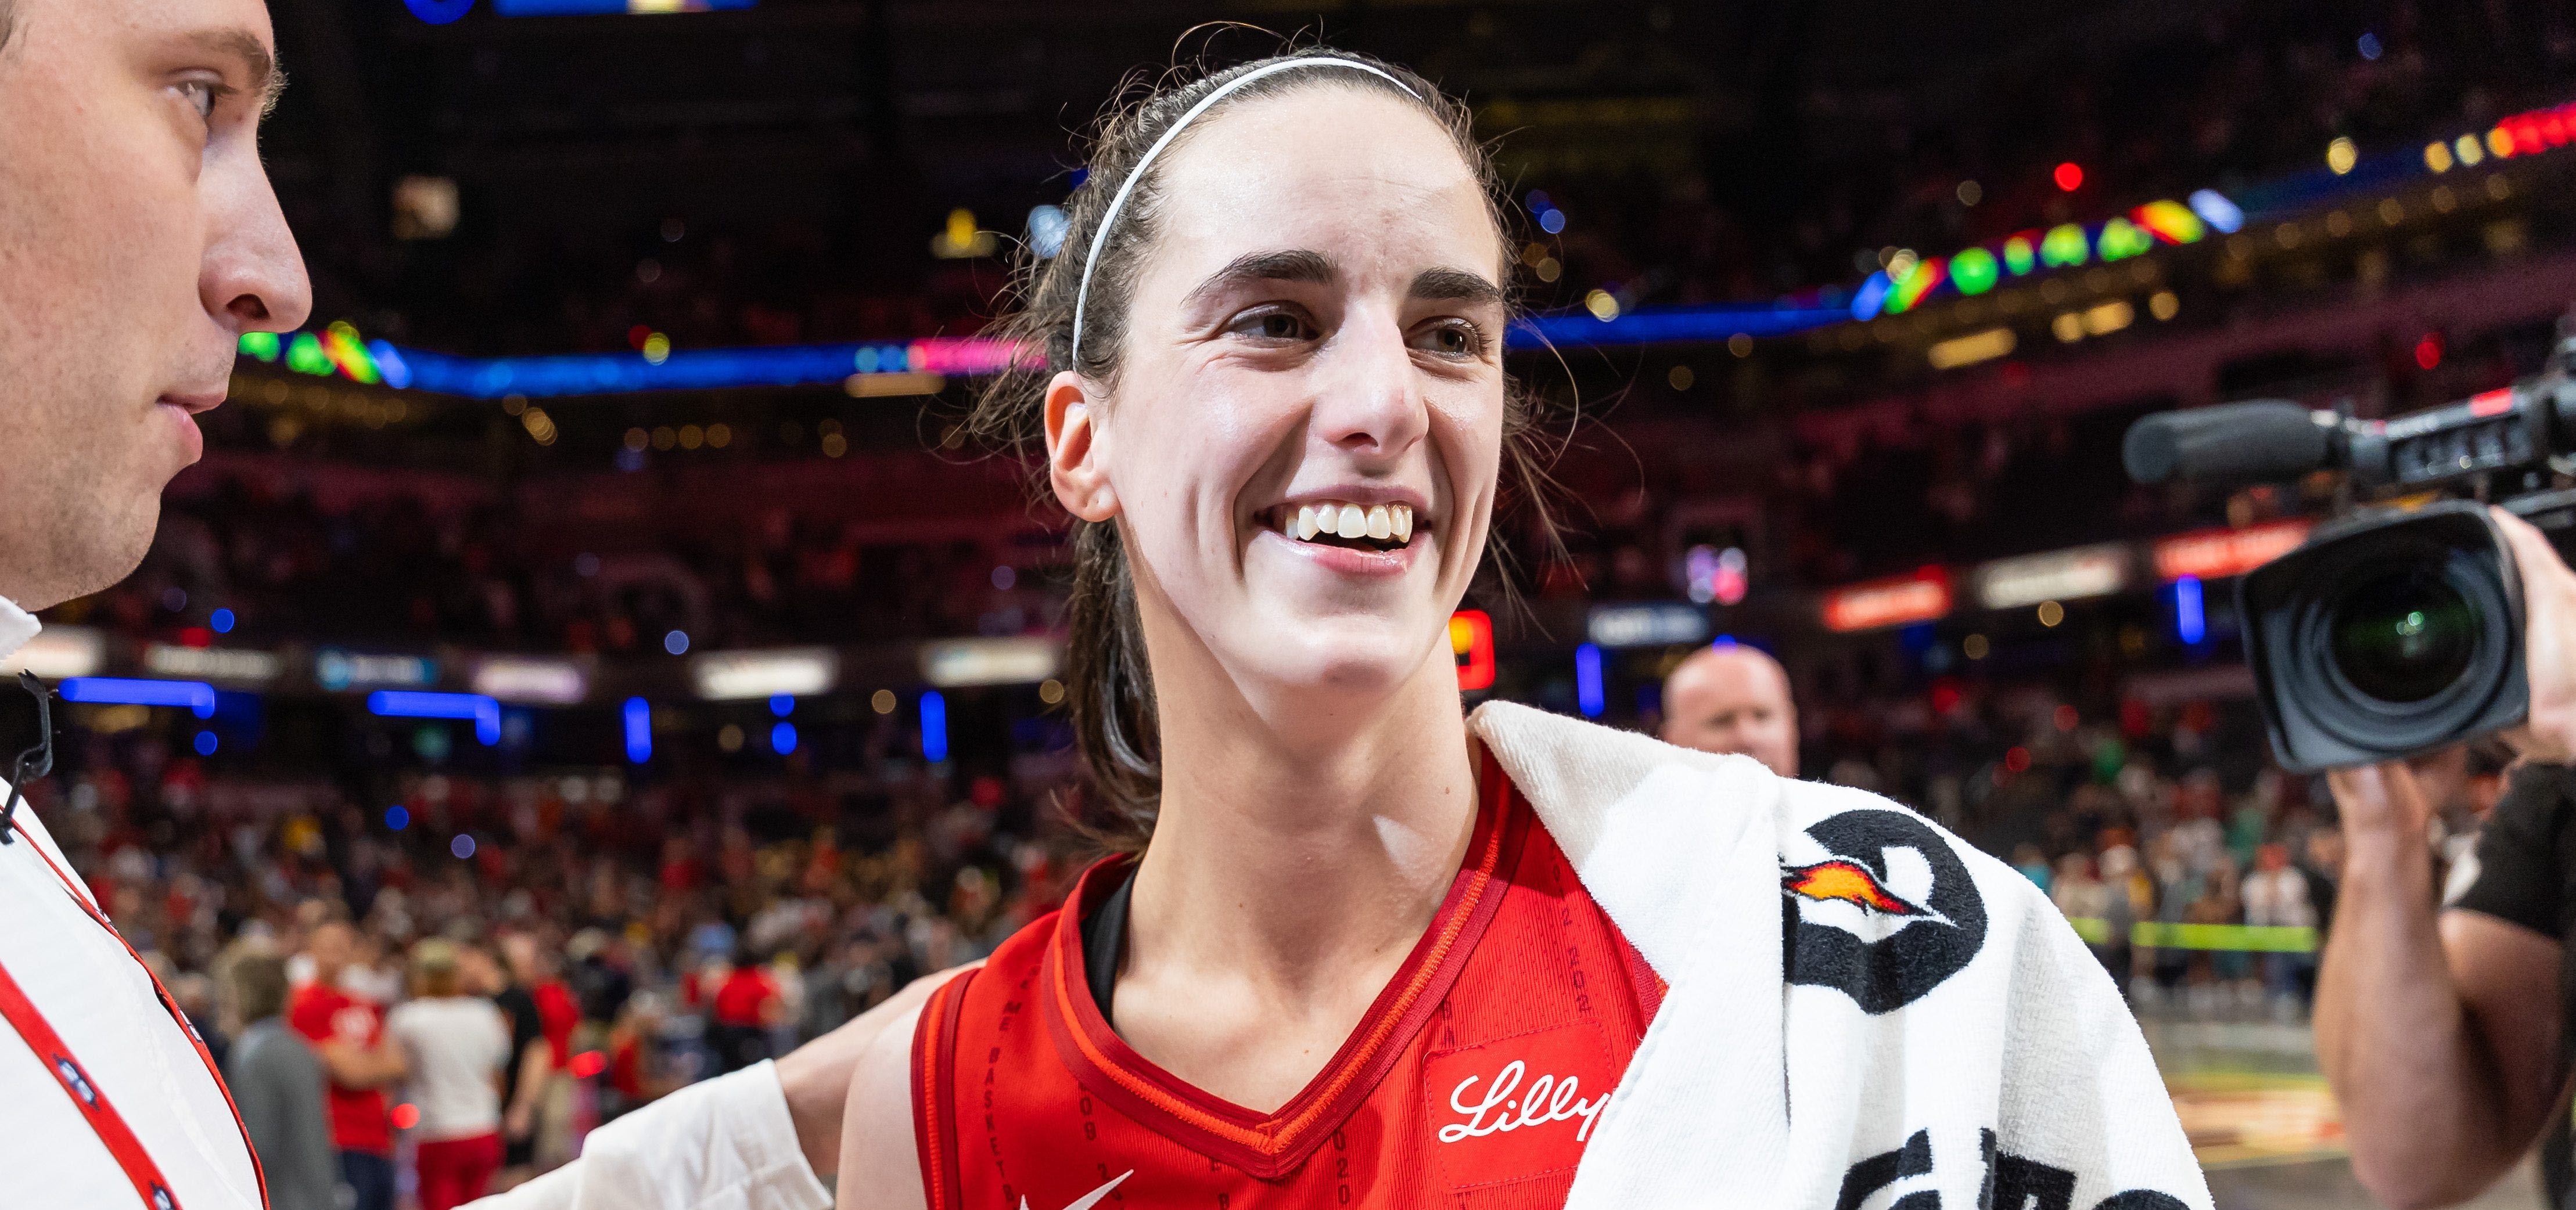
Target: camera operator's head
(1733,699)
(139,239)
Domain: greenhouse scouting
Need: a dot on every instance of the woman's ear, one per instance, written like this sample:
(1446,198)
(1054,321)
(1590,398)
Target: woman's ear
(1074,448)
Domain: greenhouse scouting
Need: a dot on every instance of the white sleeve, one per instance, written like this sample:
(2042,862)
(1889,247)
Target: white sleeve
(721,1144)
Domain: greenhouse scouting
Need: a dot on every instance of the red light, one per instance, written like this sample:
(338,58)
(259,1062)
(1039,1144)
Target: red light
(1945,695)
(1471,639)
(2066,718)
(2428,351)
(2016,760)
(196,636)
(2069,176)
(638,334)
(2134,719)
(406,1116)
(588,1063)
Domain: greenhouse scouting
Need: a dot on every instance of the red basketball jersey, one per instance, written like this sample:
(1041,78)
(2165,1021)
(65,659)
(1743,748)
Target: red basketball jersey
(1474,1080)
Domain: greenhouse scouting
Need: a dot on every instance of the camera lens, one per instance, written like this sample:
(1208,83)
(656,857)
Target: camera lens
(2404,635)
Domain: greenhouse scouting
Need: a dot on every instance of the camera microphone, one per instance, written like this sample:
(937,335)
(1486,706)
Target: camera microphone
(2263,439)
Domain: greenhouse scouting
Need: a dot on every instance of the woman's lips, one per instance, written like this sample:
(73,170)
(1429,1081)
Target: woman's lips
(1346,560)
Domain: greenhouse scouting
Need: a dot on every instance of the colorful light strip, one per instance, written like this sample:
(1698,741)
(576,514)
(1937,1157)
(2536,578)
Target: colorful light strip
(2065,246)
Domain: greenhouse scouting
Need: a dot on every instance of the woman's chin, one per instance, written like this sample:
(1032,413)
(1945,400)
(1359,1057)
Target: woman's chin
(1342,658)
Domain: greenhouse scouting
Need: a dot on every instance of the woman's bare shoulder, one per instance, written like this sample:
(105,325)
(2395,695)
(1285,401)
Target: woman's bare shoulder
(880,1164)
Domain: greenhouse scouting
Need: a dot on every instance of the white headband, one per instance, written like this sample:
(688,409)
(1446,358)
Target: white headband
(1118,201)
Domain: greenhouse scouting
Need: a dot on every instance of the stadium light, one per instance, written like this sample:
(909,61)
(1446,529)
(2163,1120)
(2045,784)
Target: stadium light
(1588,694)
(485,712)
(197,697)
(639,730)
(934,727)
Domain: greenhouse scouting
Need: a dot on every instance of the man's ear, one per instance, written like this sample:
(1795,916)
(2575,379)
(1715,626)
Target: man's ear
(1074,448)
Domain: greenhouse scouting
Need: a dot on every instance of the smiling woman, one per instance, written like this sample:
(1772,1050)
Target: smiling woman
(1365,949)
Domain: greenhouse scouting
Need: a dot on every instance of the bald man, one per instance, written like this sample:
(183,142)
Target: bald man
(1733,699)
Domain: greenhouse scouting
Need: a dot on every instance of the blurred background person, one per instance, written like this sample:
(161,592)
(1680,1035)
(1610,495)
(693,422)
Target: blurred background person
(1733,699)
(348,1032)
(456,1049)
(546,1124)
(278,1085)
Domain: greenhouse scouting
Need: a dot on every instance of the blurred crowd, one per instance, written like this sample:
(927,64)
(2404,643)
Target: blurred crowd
(2226,96)
(558,948)
(393,567)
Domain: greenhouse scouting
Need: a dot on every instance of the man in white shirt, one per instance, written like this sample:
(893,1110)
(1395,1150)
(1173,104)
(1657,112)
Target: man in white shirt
(139,239)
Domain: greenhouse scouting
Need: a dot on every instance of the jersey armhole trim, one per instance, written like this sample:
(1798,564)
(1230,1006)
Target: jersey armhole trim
(934,1093)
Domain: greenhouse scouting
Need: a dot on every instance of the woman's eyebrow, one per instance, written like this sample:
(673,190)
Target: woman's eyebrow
(1290,265)
(1455,285)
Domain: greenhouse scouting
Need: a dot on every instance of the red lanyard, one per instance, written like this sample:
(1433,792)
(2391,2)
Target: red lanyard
(86,1095)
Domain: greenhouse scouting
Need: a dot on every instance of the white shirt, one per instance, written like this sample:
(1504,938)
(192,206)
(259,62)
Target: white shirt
(458,1046)
(100,1000)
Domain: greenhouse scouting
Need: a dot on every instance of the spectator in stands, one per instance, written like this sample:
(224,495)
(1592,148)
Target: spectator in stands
(349,1033)
(2276,896)
(276,1083)
(1733,699)
(456,1046)
(747,1005)
(549,1124)
(530,1065)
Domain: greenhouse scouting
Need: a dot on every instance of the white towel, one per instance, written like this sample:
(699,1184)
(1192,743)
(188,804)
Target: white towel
(1864,1011)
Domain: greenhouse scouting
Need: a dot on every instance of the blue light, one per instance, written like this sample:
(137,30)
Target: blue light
(205,743)
(639,730)
(197,696)
(412,703)
(2189,624)
(782,738)
(1047,225)
(1723,640)
(462,846)
(1871,296)
(676,642)
(1538,200)
(438,12)
(222,621)
(2215,210)
(1668,325)
(397,818)
(1588,693)
(1551,221)
(782,705)
(934,727)
(2369,46)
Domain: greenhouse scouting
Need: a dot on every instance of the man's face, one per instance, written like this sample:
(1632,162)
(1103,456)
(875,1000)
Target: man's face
(139,239)
(1733,700)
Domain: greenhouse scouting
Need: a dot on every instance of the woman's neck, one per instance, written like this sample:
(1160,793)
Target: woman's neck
(1298,860)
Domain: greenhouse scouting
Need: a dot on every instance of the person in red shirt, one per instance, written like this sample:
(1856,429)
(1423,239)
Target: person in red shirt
(746,1005)
(348,1031)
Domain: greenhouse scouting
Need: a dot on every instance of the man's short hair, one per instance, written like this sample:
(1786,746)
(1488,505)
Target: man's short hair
(259,983)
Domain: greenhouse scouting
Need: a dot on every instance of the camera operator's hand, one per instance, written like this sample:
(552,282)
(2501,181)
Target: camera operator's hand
(2381,800)
(2549,643)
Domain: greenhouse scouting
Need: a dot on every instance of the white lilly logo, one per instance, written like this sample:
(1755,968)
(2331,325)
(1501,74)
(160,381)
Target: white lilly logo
(1548,1100)
(1088,1200)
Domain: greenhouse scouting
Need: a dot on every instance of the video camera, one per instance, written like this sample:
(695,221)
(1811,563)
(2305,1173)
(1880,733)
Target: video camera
(2395,629)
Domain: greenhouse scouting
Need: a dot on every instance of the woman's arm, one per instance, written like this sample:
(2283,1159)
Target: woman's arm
(758,1139)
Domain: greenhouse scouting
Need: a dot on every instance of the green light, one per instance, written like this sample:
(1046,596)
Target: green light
(304,355)
(262,345)
(1974,270)
(2122,239)
(2018,256)
(2063,246)
(2413,625)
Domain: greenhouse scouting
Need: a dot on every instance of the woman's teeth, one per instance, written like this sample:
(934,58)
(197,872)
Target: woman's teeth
(1387,524)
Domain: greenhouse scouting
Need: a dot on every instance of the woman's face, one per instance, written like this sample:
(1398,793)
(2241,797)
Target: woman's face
(1304,439)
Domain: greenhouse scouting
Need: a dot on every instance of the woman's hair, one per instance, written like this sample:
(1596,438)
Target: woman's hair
(434,972)
(1109,684)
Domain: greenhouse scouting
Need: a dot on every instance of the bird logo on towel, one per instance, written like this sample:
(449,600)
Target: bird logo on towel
(1848,882)
(1909,942)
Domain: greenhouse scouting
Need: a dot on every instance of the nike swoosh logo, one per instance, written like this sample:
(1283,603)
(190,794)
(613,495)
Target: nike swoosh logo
(1092,1198)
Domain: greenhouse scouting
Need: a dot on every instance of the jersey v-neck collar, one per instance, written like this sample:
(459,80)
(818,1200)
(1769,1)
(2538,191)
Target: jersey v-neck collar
(1272,1144)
